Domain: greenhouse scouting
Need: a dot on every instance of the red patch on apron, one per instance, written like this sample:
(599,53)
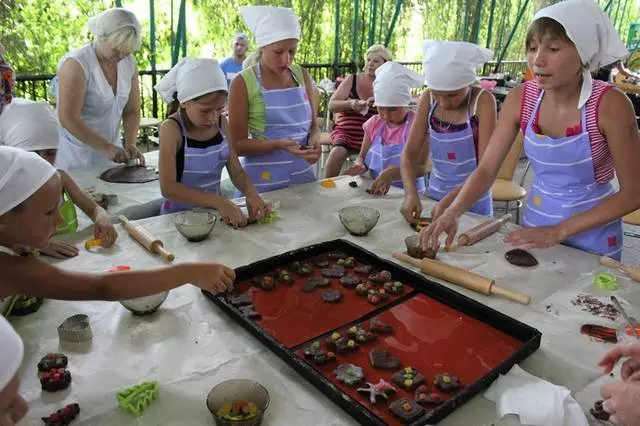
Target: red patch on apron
(451,155)
(612,241)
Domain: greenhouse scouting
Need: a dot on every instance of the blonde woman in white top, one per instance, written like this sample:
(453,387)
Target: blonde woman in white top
(99,89)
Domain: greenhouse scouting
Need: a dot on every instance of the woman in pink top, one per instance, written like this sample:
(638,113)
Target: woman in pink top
(577,132)
(385,134)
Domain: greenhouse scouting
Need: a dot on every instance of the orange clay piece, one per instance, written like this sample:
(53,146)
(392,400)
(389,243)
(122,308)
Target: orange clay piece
(328,183)
(97,242)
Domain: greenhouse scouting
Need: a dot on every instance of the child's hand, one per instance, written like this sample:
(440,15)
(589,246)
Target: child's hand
(232,215)
(256,207)
(60,250)
(411,208)
(212,277)
(381,185)
(355,170)
(104,229)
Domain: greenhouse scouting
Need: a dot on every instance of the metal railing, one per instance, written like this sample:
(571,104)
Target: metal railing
(35,87)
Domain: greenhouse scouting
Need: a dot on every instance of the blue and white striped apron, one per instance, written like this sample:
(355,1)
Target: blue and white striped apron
(565,185)
(202,169)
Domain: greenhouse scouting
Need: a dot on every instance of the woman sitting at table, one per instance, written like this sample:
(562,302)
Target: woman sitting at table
(32,126)
(385,134)
(30,190)
(352,106)
(578,133)
(460,120)
(193,145)
(272,124)
(13,406)
(97,89)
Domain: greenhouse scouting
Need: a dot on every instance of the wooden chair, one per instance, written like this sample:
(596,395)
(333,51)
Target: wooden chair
(504,189)
(632,218)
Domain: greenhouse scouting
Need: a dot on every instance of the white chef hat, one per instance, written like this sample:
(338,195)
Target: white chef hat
(112,20)
(22,173)
(452,65)
(192,77)
(270,24)
(391,87)
(593,34)
(12,352)
(29,125)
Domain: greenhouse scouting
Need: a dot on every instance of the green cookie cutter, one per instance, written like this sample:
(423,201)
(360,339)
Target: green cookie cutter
(135,399)
(605,282)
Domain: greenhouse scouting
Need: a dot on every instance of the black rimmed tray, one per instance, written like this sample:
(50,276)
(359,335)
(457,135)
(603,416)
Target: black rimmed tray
(421,289)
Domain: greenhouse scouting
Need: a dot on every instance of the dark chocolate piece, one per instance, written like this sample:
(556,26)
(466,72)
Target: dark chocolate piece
(424,397)
(349,374)
(408,378)
(62,417)
(129,174)
(363,269)
(25,305)
(284,277)
(353,184)
(377,326)
(53,360)
(348,262)
(361,290)
(519,257)
(380,391)
(336,271)
(393,287)
(321,262)
(446,382)
(380,277)
(264,282)
(335,255)
(249,312)
(304,269)
(360,335)
(598,411)
(55,379)
(332,295)
(314,282)
(243,299)
(345,345)
(376,296)
(317,355)
(381,358)
(350,281)
(405,410)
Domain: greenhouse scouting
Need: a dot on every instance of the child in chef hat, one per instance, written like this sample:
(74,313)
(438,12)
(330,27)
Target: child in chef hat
(578,134)
(32,126)
(13,407)
(30,190)
(454,123)
(386,133)
(194,147)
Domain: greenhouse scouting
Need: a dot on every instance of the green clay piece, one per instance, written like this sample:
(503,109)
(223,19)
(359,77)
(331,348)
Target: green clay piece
(135,399)
(606,282)
(270,217)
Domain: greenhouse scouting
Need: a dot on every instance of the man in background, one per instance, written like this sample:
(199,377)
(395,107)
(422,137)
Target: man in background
(233,64)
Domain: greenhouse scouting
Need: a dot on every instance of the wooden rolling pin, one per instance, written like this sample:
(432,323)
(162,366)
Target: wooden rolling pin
(633,272)
(466,279)
(147,240)
(479,232)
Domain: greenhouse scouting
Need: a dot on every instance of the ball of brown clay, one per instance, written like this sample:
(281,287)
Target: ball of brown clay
(415,251)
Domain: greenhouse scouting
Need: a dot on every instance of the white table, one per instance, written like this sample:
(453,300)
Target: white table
(190,345)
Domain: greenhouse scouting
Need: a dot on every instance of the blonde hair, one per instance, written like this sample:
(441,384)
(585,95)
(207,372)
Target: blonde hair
(252,59)
(380,50)
(125,40)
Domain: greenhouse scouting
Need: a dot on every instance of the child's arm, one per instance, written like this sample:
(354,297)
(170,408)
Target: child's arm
(413,161)
(103,228)
(255,205)
(360,167)
(28,275)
